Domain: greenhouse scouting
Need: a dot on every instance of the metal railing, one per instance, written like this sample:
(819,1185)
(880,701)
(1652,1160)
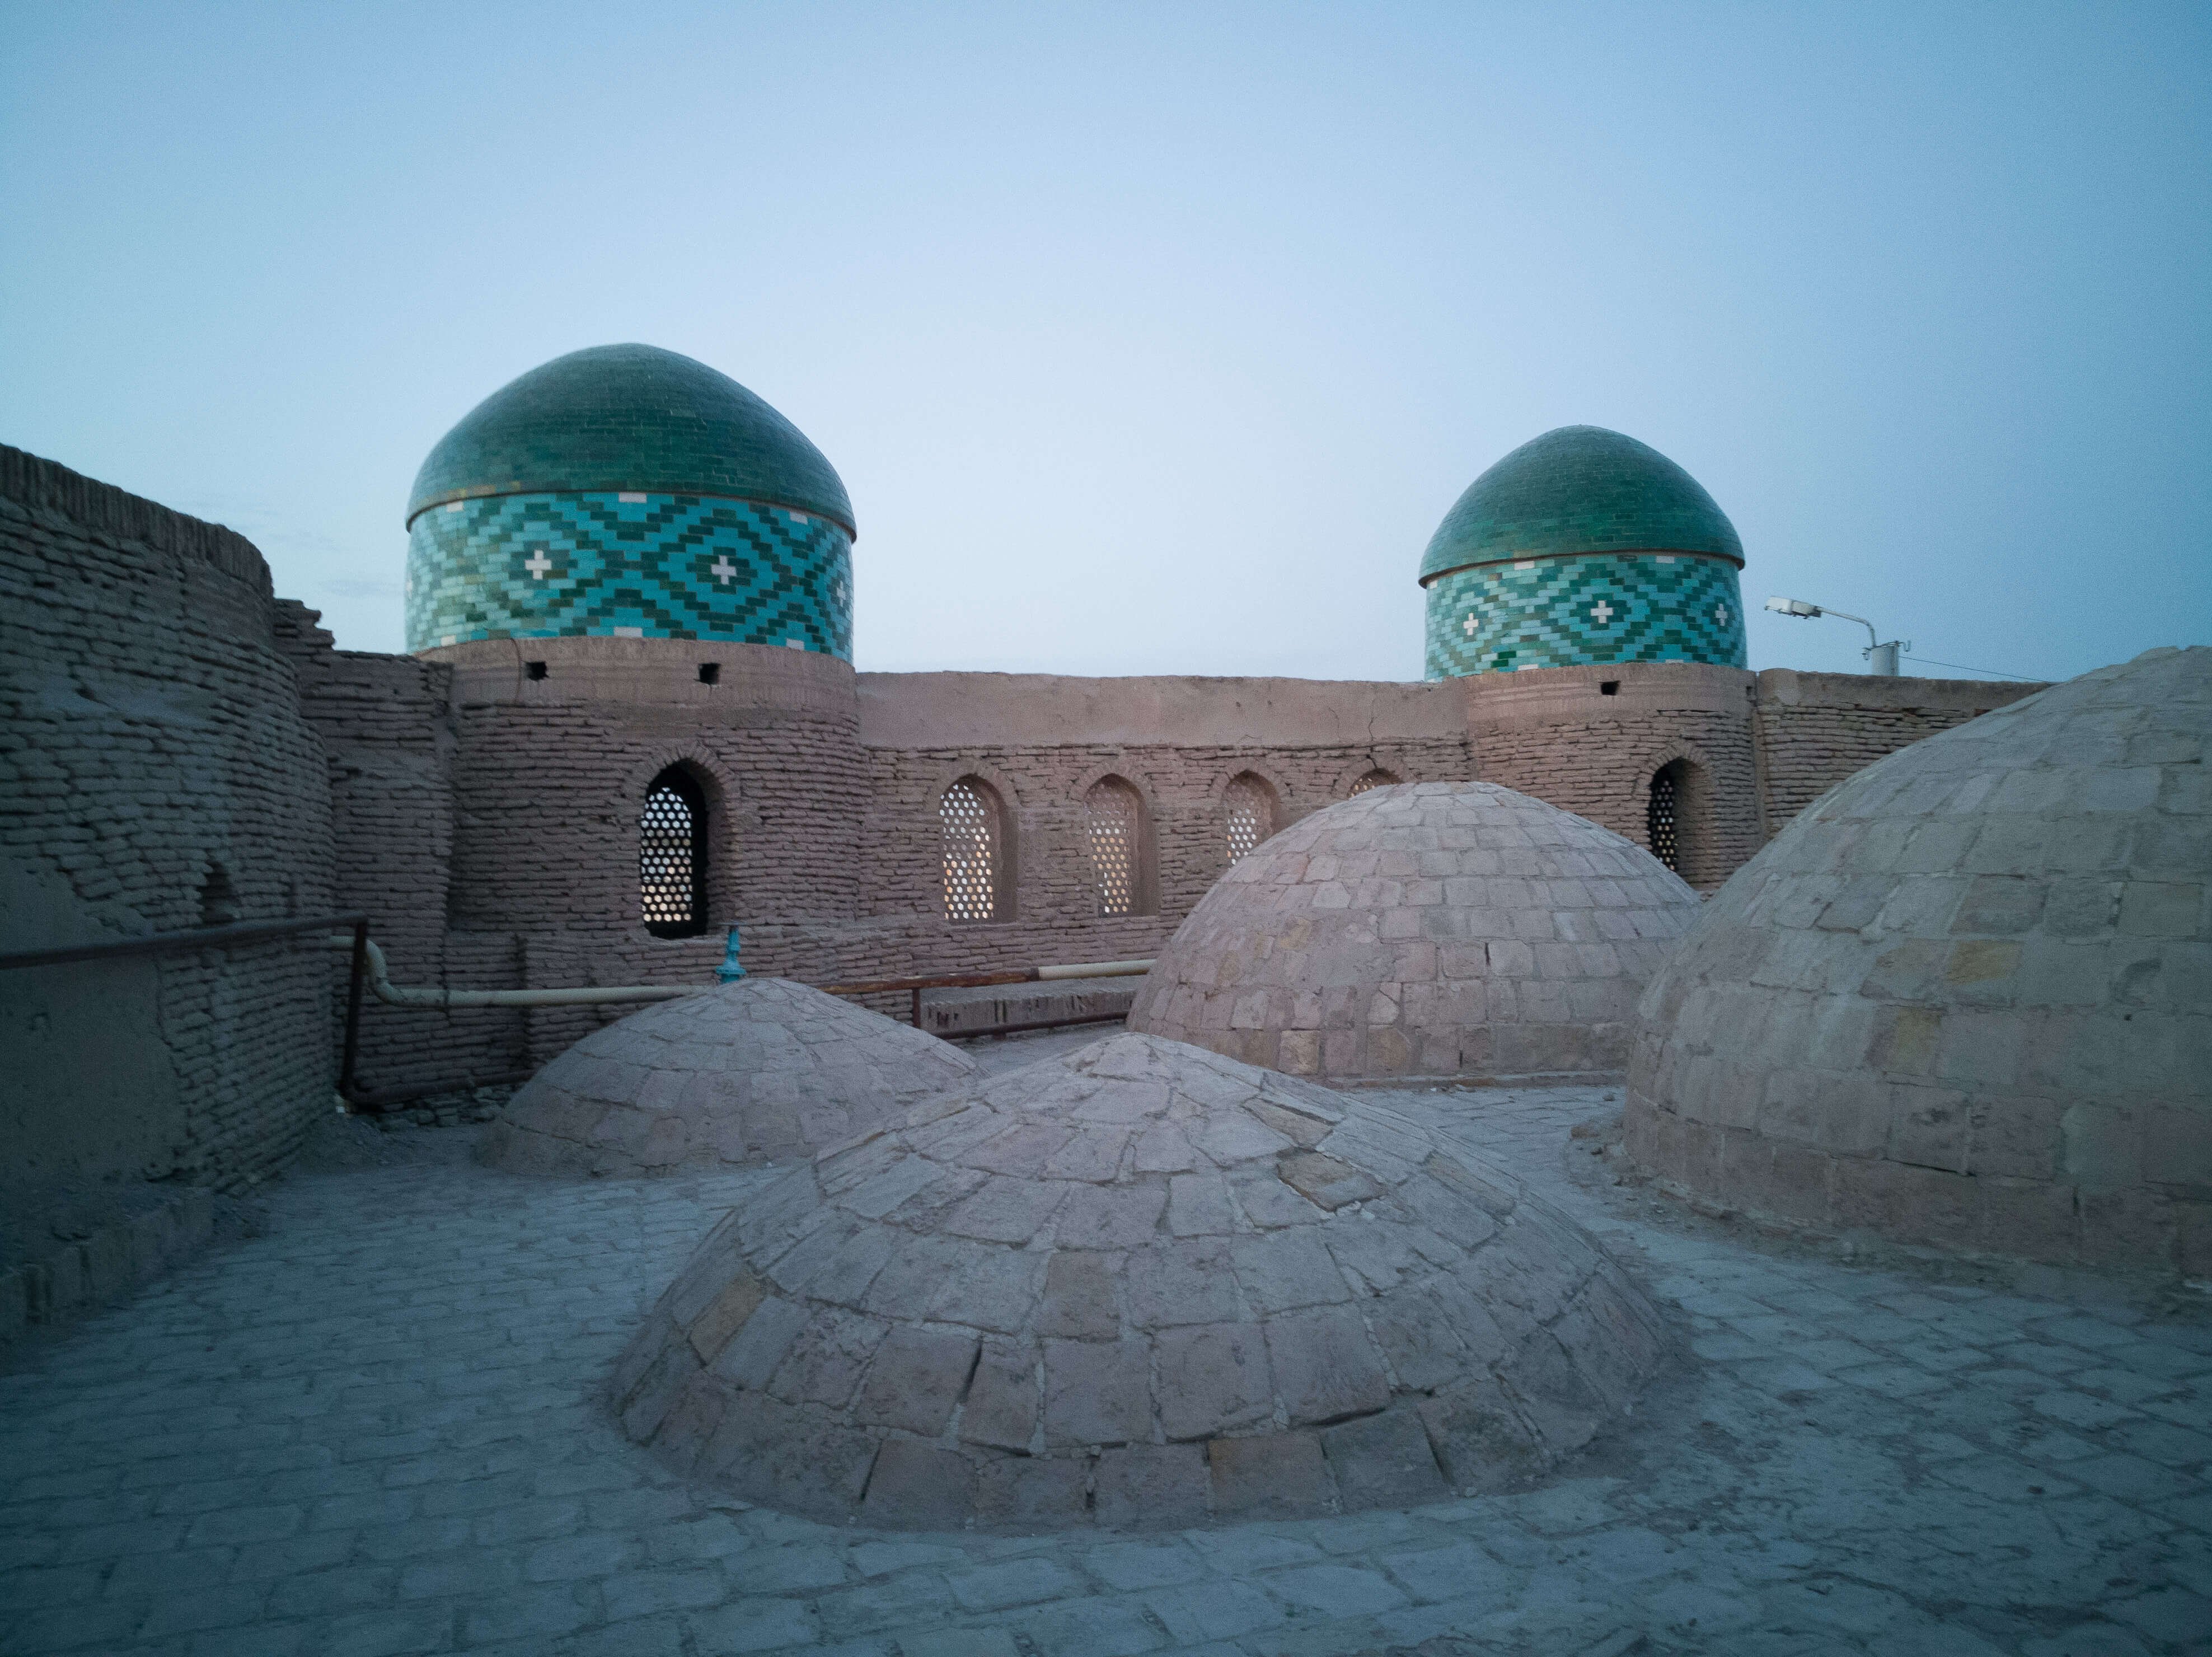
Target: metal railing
(368,971)
(227,937)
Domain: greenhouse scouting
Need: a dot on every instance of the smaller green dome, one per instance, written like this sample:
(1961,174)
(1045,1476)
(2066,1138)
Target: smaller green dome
(629,418)
(1580,489)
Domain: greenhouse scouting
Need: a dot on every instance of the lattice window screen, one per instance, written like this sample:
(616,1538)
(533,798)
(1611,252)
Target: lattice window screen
(1660,821)
(667,859)
(1374,779)
(971,853)
(1250,819)
(1112,813)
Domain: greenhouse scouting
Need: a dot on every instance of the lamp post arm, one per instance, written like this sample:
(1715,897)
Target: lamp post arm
(1873,638)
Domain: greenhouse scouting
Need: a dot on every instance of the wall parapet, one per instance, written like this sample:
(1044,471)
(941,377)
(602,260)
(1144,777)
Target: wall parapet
(39,484)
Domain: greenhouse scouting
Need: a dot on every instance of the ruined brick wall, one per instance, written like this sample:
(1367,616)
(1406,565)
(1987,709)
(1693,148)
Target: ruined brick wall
(386,723)
(155,776)
(1816,729)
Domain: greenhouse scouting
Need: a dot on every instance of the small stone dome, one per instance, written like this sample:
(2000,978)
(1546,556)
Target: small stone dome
(636,417)
(751,1072)
(1425,930)
(1137,1285)
(1965,998)
(1580,489)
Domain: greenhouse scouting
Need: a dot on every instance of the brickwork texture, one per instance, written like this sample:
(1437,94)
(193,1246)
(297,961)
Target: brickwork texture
(1962,999)
(155,776)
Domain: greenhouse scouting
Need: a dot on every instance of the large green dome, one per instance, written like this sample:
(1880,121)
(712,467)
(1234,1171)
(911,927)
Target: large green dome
(634,418)
(1580,489)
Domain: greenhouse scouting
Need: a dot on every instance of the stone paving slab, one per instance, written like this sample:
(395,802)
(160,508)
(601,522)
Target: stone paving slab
(373,1430)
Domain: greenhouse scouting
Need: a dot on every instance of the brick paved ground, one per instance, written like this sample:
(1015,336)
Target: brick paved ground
(373,1431)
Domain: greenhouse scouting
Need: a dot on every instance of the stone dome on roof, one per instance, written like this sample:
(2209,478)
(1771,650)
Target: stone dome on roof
(1424,930)
(1580,489)
(751,1072)
(1965,997)
(630,417)
(1137,1285)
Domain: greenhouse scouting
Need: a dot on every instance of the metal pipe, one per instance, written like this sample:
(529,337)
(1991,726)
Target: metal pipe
(393,995)
(354,979)
(165,943)
(1095,970)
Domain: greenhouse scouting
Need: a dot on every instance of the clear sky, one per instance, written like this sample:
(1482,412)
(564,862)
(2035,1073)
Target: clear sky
(1159,338)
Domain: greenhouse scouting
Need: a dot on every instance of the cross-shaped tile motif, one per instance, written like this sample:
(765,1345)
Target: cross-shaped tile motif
(537,564)
(722,569)
(1602,610)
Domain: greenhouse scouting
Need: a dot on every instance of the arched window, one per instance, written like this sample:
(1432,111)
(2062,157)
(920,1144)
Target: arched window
(1250,806)
(975,851)
(672,857)
(1113,816)
(1377,778)
(1663,815)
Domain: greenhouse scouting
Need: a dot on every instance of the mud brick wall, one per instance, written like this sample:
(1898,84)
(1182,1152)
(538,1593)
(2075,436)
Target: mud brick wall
(155,776)
(1560,734)
(386,724)
(1040,788)
(1816,729)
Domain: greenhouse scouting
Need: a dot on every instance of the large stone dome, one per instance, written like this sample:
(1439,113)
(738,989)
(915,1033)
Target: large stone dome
(1137,1285)
(628,417)
(1965,998)
(751,1072)
(1423,930)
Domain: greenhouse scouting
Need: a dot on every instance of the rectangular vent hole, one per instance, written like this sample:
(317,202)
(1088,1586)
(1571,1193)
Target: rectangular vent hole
(535,669)
(1610,688)
(710,673)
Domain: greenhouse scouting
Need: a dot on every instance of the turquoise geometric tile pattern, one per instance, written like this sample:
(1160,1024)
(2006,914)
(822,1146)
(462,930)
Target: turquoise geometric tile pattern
(625,564)
(1584,610)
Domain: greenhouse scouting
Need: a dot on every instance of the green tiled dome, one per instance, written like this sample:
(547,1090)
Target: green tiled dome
(629,418)
(1580,489)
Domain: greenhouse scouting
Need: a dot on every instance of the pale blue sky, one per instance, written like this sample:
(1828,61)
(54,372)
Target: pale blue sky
(1157,338)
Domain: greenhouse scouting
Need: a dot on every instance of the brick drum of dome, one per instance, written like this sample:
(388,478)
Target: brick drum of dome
(751,1072)
(1966,999)
(1139,1285)
(1438,929)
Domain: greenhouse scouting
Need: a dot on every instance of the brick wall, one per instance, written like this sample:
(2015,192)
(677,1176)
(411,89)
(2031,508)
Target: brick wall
(388,727)
(1816,729)
(155,776)
(1560,734)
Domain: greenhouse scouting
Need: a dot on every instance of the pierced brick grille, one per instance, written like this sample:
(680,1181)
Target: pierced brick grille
(1111,809)
(1377,778)
(668,859)
(971,861)
(1250,821)
(1659,821)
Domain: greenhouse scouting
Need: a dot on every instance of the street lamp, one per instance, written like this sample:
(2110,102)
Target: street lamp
(1881,657)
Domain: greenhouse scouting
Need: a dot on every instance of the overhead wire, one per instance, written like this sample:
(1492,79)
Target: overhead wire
(1962,668)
